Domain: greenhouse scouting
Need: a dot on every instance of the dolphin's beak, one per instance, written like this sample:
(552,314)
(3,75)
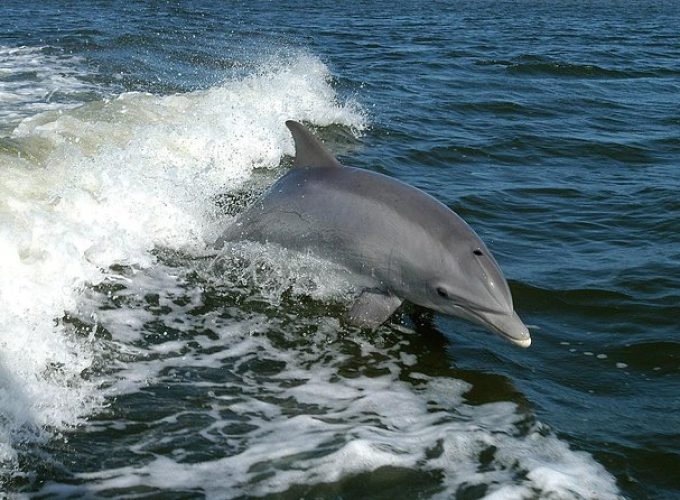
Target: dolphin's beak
(508,326)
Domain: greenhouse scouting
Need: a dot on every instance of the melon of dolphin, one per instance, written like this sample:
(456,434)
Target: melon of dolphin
(406,244)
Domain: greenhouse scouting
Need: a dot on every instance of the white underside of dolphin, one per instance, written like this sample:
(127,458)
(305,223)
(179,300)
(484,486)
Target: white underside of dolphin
(406,244)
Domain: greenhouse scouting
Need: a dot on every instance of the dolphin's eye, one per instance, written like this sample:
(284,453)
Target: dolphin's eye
(442,293)
(477,251)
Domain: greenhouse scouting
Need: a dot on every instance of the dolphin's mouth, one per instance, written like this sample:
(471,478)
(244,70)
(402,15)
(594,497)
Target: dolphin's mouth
(508,326)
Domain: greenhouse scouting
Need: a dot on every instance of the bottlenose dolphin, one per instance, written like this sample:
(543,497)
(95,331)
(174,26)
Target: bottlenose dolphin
(406,244)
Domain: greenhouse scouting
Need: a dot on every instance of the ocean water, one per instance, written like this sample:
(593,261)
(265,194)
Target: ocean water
(136,362)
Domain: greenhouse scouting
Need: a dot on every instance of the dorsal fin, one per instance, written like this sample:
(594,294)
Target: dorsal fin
(309,152)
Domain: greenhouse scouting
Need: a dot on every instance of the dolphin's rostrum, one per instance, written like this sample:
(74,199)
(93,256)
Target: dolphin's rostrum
(406,244)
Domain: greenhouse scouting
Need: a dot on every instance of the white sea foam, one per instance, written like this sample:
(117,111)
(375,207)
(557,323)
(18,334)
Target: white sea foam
(32,80)
(82,189)
(308,421)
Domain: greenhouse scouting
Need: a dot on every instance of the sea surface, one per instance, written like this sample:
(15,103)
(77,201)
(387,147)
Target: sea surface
(137,362)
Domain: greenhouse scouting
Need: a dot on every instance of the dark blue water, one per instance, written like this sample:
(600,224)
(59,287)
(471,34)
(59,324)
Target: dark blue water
(130,133)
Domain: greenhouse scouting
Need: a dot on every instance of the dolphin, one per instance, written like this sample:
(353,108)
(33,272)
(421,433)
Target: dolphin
(403,242)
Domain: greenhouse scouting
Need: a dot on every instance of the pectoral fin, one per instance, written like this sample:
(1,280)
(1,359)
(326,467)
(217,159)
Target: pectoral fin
(372,308)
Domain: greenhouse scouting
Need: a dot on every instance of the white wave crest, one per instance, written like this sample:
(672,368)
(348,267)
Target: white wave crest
(82,189)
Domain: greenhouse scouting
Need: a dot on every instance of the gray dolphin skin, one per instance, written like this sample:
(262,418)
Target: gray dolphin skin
(406,244)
